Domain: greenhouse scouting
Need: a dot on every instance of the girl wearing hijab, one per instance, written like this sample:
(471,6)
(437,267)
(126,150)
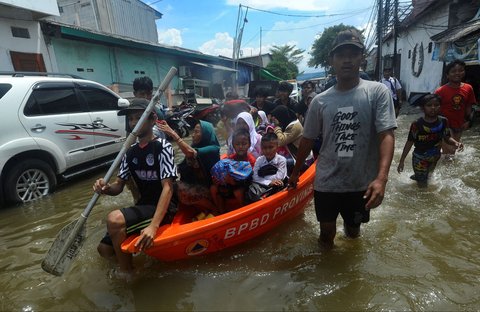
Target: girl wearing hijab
(193,189)
(288,129)
(261,122)
(245,121)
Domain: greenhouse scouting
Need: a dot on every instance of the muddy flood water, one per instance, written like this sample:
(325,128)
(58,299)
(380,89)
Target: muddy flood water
(420,251)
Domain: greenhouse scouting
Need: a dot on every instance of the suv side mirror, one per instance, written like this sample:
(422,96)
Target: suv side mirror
(123,103)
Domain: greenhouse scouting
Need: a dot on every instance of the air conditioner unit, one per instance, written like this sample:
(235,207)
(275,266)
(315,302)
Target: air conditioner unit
(184,71)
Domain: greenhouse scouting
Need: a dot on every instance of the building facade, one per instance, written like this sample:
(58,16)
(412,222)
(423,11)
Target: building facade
(84,38)
(128,18)
(419,43)
(22,47)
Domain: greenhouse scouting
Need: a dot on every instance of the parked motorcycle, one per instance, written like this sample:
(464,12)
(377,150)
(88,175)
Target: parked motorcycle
(180,120)
(209,113)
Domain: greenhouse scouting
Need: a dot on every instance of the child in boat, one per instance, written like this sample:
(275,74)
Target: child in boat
(244,120)
(427,134)
(231,175)
(289,132)
(269,171)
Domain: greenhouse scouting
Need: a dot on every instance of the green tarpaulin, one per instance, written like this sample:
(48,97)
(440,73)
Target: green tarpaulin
(266,75)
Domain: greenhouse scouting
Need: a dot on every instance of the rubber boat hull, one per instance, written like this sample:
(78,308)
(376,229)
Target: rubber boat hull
(185,239)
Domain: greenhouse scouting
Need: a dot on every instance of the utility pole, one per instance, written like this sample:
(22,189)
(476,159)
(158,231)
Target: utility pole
(378,69)
(237,42)
(236,33)
(261,42)
(395,36)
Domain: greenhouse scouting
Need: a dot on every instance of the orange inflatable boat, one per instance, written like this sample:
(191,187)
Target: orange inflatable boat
(185,238)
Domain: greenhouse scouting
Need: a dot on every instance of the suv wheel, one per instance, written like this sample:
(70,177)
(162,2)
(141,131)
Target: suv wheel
(28,180)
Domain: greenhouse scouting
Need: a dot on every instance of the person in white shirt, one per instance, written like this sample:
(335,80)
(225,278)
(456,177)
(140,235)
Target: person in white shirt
(395,89)
(278,172)
(270,170)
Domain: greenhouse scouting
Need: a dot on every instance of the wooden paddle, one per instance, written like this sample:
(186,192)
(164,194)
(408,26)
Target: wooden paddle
(69,240)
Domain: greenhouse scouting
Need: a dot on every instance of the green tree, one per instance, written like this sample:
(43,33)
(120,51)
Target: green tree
(322,45)
(284,61)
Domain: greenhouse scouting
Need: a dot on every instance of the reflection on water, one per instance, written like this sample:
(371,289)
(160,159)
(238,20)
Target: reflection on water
(420,251)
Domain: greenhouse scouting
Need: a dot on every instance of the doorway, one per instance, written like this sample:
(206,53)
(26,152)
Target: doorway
(472,76)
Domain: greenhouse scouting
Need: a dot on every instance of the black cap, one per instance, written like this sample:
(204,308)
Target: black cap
(138,104)
(348,37)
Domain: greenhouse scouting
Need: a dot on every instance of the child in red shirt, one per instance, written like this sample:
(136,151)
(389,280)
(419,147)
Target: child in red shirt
(457,100)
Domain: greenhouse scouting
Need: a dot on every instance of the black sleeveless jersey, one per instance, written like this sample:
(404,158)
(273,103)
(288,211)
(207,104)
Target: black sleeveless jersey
(148,166)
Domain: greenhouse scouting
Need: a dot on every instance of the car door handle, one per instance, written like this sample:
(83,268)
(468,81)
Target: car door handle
(38,128)
(98,121)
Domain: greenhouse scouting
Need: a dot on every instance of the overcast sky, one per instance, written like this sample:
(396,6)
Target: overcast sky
(209,26)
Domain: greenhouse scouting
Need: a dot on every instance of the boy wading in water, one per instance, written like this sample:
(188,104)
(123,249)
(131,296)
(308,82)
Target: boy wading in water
(427,134)
(355,120)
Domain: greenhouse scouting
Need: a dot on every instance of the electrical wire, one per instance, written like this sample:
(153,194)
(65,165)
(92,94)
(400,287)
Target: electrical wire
(316,25)
(348,15)
(154,2)
(252,38)
(370,22)
(300,15)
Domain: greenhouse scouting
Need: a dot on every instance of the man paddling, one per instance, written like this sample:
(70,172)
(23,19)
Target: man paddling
(355,120)
(150,163)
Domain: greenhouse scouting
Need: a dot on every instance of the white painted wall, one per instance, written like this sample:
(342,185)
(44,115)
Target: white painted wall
(35,44)
(420,32)
(47,7)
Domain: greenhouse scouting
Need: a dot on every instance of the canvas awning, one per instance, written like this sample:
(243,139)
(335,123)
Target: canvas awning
(266,75)
(456,33)
(214,66)
(460,42)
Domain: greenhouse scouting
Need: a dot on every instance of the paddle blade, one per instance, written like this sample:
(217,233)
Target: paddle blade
(65,247)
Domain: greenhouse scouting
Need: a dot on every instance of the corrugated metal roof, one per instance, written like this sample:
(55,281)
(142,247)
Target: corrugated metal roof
(88,34)
(107,38)
(419,9)
(157,13)
(132,19)
(456,33)
(214,66)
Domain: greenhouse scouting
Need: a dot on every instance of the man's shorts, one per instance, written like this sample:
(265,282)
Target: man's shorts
(139,217)
(351,206)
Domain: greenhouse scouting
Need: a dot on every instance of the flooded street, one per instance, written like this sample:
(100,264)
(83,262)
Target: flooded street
(420,251)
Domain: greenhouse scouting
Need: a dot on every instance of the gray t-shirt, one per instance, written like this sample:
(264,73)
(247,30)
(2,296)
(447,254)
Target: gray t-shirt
(349,123)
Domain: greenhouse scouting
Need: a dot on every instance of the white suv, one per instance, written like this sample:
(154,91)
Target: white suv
(53,127)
